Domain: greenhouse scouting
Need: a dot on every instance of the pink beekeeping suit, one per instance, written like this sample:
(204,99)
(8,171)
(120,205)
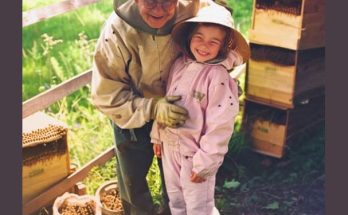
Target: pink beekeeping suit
(211,96)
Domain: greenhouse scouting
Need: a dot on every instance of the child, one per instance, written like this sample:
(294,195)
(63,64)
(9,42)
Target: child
(192,153)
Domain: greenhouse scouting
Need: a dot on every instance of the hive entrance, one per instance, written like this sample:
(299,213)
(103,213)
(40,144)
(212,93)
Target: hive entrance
(292,7)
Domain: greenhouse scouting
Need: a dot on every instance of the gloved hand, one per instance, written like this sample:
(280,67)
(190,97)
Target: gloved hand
(167,113)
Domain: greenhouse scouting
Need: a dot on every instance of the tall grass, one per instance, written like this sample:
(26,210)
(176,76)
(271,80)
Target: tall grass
(61,47)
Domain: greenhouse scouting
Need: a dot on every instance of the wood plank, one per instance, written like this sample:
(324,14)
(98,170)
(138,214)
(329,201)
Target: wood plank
(67,183)
(267,148)
(268,131)
(269,38)
(270,96)
(253,15)
(272,76)
(45,99)
(80,189)
(275,19)
(271,27)
(269,103)
(40,14)
(271,81)
(38,177)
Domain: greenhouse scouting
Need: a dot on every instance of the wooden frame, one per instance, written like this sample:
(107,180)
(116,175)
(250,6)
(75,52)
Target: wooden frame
(269,128)
(296,32)
(44,163)
(278,84)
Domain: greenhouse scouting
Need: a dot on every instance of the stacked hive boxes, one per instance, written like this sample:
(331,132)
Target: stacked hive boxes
(285,75)
(45,154)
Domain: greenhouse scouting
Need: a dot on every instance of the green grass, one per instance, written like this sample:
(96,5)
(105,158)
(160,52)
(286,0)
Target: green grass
(242,11)
(61,47)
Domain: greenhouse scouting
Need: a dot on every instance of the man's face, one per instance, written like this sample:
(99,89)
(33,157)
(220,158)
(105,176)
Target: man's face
(156,13)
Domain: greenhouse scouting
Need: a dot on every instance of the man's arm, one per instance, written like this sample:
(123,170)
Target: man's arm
(112,88)
(113,91)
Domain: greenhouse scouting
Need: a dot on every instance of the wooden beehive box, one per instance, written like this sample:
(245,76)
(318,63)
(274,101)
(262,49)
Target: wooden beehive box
(292,24)
(45,154)
(269,129)
(283,77)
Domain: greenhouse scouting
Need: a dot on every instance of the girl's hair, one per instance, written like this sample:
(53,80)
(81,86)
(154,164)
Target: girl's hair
(227,45)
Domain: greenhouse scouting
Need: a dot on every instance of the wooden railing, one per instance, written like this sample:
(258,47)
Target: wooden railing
(52,95)
(37,15)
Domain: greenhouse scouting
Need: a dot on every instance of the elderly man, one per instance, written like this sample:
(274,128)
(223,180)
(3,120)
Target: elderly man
(131,65)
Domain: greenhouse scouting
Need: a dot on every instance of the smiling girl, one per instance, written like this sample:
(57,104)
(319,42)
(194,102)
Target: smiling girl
(191,154)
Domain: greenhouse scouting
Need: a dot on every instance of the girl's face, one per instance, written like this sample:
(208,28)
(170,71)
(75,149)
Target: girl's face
(206,42)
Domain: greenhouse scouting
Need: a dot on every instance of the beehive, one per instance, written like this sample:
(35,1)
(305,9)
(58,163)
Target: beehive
(269,129)
(45,154)
(283,77)
(292,24)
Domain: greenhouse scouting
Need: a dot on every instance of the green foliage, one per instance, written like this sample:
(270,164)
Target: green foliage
(242,11)
(233,184)
(99,175)
(273,206)
(153,179)
(66,49)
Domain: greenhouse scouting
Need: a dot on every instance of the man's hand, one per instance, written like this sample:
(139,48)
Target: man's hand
(157,150)
(167,113)
(196,179)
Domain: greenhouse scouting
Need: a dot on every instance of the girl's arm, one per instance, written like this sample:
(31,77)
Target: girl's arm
(156,139)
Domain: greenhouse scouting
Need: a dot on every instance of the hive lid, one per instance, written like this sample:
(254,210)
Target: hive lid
(40,128)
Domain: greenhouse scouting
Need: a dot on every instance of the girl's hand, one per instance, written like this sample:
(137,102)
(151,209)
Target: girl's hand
(196,179)
(157,150)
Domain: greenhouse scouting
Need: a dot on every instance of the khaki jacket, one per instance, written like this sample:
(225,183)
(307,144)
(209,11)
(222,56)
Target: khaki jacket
(132,62)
